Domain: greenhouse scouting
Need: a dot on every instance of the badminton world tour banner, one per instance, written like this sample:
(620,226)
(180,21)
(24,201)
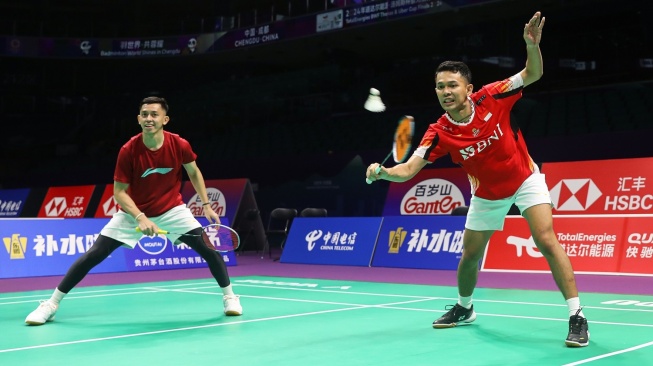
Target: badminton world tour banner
(595,244)
(426,242)
(48,247)
(430,192)
(331,240)
(623,186)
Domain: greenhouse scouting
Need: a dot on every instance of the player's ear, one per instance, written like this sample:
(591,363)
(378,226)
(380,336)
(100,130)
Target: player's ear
(470,89)
(166,119)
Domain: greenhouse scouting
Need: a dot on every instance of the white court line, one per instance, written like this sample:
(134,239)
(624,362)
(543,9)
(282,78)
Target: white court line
(606,355)
(131,335)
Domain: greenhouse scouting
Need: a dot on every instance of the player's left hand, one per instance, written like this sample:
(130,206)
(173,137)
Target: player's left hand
(211,215)
(533,30)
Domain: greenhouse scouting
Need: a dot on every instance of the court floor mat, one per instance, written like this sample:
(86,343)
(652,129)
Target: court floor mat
(289,321)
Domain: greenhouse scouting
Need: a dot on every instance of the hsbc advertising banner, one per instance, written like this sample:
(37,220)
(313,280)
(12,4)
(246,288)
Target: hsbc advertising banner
(420,242)
(430,192)
(623,186)
(332,240)
(596,244)
(225,195)
(48,247)
(68,202)
(108,204)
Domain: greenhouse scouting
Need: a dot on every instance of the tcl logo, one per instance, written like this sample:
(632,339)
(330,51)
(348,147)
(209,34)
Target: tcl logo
(522,244)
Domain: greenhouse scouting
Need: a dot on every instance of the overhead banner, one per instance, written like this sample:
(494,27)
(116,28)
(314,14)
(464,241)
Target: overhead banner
(12,201)
(618,186)
(48,247)
(68,202)
(425,242)
(331,240)
(598,244)
(430,192)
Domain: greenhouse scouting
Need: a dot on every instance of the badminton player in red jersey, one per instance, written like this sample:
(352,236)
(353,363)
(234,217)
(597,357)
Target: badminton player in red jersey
(478,134)
(147,184)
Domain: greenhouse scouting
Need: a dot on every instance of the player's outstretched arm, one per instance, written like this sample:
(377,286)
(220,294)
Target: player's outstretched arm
(532,36)
(398,173)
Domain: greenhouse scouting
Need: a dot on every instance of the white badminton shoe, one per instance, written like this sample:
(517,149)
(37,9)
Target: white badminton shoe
(232,305)
(44,313)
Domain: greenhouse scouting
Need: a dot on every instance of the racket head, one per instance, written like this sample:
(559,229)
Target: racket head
(220,238)
(403,139)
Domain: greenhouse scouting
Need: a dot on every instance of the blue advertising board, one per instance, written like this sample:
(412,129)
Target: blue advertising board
(332,240)
(425,242)
(48,247)
(12,201)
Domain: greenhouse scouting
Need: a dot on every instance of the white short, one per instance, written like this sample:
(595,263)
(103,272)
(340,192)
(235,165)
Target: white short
(490,214)
(122,226)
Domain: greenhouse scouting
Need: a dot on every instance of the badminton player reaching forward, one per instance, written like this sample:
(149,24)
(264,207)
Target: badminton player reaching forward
(147,182)
(476,131)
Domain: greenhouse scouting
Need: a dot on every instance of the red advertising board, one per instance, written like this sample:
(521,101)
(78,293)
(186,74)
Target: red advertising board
(603,244)
(623,186)
(108,205)
(69,202)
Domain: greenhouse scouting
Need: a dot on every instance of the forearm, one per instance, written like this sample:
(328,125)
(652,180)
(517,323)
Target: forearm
(534,65)
(197,180)
(126,203)
(398,173)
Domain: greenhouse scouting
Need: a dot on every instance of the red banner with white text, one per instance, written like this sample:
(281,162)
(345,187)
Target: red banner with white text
(597,244)
(623,186)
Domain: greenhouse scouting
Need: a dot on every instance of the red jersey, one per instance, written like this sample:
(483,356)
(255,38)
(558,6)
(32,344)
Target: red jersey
(154,177)
(488,147)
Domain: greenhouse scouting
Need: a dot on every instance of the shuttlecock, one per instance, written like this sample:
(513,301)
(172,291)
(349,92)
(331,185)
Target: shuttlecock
(373,102)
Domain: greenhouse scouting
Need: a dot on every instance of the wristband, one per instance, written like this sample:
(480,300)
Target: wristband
(204,204)
(139,215)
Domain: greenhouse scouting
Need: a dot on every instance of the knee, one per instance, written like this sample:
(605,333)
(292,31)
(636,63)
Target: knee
(546,242)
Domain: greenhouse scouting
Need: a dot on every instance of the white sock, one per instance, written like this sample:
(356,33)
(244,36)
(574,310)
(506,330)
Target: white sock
(228,291)
(465,301)
(57,296)
(574,306)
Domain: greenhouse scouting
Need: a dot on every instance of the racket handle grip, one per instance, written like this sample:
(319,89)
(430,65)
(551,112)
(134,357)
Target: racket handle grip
(160,231)
(377,170)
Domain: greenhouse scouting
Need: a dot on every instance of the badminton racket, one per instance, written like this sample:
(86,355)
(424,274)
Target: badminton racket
(402,142)
(218,237)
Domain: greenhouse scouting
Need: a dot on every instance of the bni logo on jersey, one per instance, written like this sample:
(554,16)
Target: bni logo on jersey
(574,194)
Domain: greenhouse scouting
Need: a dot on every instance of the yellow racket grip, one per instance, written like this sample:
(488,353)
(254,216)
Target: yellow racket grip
(160,231)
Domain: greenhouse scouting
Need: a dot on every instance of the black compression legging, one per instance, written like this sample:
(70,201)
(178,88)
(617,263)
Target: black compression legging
(104,246)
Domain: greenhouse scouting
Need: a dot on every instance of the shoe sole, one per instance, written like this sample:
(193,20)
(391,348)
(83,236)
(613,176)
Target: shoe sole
(233,313)
(577,344)
(452,325)
(31,322)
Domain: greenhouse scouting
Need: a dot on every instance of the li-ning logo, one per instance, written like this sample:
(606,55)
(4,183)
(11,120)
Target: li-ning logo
(155,170)
(528,244)
(470,151)
(574,194)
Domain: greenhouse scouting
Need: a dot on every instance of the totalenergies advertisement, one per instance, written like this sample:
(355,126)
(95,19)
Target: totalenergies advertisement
(430,192)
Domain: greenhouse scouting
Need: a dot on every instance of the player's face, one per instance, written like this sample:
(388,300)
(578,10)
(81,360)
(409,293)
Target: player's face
(152,118)
(452,90)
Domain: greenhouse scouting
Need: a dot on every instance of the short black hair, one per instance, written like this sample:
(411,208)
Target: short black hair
(154,100)
(456,66)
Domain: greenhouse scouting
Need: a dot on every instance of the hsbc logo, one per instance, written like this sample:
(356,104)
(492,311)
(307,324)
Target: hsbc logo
(56,206)
(110,206)
(574,194)
(524,244)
